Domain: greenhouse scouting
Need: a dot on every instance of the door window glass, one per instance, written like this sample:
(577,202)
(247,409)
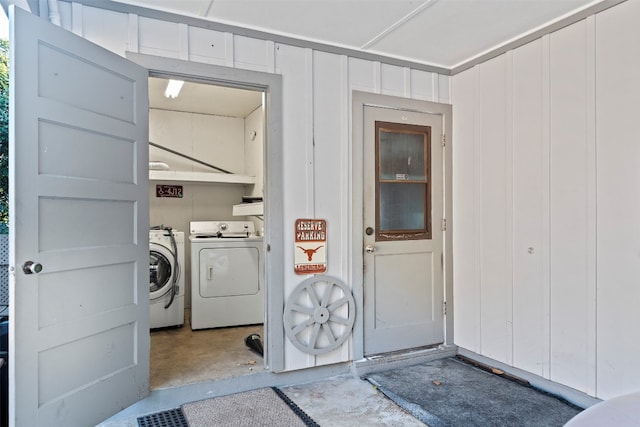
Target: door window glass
(403,184)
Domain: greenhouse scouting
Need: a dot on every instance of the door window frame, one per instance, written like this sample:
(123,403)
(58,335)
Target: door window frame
(404,234)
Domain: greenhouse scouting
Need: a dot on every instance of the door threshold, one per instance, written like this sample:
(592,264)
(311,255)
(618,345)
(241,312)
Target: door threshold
(400,359)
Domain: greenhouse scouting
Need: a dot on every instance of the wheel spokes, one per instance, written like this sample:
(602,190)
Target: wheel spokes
(302,326)
(311,317)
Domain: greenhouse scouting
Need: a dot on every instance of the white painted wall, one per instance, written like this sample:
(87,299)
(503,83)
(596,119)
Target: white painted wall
(254,151)
(547,205)
(217,140)
(316,130)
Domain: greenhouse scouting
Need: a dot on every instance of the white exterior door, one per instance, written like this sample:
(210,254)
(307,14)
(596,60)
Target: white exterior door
(403,210)
(79,213)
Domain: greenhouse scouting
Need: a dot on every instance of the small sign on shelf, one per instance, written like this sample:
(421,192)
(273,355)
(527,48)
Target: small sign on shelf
(174,191)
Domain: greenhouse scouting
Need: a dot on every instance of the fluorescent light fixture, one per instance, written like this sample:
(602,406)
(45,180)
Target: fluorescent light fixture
(173,88)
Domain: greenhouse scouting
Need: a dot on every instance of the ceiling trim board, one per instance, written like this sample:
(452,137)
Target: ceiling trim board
(536,34)
(194,21)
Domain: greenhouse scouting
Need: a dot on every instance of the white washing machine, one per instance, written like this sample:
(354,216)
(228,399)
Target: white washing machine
(226,274)
(166,278)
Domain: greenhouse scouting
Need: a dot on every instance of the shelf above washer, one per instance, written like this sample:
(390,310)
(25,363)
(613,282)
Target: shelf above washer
(249,209)
(222,178)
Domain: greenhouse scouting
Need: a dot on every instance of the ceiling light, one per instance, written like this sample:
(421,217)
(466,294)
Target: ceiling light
(173,88)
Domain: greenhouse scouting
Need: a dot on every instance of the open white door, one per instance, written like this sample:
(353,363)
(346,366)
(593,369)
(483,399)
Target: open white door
(79,346)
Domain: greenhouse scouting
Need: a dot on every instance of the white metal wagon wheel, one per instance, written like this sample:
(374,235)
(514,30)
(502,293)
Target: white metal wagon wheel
(319,314)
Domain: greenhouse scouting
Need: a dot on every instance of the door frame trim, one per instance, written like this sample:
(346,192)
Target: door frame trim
(271,84)
(359,101)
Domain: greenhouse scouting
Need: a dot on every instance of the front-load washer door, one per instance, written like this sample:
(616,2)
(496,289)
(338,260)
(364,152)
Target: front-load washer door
(161,270)
(229,272)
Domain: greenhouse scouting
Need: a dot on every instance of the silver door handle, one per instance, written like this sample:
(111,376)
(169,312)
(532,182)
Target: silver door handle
(209,272)
(369,249)
(31,267)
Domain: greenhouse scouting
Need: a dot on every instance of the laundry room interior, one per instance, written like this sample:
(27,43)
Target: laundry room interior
(206,174)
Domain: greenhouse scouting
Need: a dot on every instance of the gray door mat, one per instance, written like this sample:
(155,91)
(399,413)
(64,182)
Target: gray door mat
(449,392)
(264,407)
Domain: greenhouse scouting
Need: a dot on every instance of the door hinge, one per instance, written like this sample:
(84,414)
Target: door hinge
(443,141)
(444,308)
(444,224)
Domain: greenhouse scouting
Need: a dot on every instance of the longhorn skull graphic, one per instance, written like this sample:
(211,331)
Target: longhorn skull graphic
(310,252)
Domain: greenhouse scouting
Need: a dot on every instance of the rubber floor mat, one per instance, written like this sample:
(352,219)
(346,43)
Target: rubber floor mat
(169,418)
(449,392)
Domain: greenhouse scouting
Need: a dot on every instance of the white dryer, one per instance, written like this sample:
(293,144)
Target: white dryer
(226,274)
(166,278)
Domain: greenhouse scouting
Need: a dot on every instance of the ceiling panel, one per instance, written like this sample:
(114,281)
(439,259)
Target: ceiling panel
(443,33)
(347,22)
(204,99)
(454,31)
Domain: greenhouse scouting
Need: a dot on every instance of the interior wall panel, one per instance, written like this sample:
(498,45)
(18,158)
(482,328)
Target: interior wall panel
(160,38)
(363,76)
(105,28)
(570,106)
(208,46)
(493,222)
(528,297)
(466,289)
(330,103)
(306,100)
(393,80)
(618,186)
(568,201)
(253,54)
(297,91)
(422,85)
(444,89)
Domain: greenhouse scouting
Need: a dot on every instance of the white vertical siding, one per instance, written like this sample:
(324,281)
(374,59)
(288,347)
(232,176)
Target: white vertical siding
(394,80)
(494,230)
(298,173)
(528,167)
(330,111)
(569,234)
(253,54)
(422,85)
(316,91)
(548,131)
(155,37)
(618,189)
(208,46)
(466,292)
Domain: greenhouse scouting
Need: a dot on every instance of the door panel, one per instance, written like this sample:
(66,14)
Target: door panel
(79,208)
(403,205)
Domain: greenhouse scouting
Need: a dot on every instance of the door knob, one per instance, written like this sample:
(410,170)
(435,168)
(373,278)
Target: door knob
(31,267)
(369,249)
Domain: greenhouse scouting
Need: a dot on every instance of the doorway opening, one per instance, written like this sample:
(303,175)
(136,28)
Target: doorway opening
(207,169)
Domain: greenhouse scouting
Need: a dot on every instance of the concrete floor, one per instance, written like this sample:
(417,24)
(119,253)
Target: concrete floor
(331,395)
(181,356)
(342,400)
(188,365)
(348,401)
